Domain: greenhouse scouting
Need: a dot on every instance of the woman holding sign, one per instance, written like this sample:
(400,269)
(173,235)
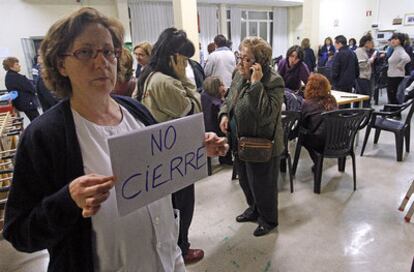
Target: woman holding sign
(252,110)
(169,94)
(62,197)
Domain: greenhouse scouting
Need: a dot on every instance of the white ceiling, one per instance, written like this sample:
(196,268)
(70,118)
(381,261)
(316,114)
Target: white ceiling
(279,3)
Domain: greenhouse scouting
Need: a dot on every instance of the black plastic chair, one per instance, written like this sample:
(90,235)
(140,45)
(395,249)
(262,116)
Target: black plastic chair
(290,120)
(340,128)
(381,80)
(382,121)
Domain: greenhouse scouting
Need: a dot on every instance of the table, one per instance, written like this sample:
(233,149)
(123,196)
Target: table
(343,98)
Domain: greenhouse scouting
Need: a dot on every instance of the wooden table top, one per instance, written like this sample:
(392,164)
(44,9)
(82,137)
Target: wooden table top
(343,98)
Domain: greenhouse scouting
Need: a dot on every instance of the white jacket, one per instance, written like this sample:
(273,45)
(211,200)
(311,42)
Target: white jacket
(221,63)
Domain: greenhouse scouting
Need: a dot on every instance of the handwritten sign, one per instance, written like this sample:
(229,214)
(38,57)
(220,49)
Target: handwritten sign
(158,160)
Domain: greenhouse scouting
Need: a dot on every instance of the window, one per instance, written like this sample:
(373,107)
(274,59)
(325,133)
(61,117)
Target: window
(257,23)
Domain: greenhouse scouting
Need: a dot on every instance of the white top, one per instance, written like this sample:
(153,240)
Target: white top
(222,63)
(145,240)
(189,72)
(396,63)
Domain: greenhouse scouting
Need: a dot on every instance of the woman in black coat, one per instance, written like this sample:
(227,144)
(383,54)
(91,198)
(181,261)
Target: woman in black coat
(26,100)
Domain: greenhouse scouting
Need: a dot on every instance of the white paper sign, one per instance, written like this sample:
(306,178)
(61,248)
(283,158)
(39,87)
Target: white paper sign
(157,160)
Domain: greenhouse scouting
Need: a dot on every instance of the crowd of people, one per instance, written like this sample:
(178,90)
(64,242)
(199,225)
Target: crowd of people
(62,195)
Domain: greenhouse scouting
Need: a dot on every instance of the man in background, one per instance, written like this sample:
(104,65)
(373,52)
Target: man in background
(221,62)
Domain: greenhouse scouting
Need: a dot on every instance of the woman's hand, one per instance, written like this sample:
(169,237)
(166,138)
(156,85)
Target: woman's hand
(215,146)
(257,73)
(89,191)
(178,64)
(224,124)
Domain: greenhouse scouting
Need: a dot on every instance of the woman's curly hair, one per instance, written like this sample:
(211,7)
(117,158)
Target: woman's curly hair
(319,88)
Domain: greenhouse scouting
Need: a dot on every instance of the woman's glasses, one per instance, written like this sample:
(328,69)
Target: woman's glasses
(86,54)
(240,59)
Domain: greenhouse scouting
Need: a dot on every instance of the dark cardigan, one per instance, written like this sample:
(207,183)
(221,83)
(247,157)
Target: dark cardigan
(40,213)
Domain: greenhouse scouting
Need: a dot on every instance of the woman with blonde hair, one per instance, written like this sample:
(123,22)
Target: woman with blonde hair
(318,99)
(142,52)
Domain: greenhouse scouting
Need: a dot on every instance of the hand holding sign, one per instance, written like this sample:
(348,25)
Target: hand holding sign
(89,191)
(160,159)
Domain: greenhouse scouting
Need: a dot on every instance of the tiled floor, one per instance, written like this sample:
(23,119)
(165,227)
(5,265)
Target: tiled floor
(338,230)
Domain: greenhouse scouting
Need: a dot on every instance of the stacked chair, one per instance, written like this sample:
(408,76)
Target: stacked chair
(10,130)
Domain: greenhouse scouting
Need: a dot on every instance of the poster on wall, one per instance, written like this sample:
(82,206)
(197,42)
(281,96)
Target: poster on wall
(409,19)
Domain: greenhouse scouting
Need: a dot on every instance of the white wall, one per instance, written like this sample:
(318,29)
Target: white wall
(352,20)
(350,16)
(22,19)
(295,24)
(389,9)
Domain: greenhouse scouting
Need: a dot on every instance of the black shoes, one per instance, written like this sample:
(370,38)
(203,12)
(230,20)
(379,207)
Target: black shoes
(244,218)
(262,230)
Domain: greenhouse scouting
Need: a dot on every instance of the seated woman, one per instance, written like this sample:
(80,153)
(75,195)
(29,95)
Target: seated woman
(26,100)
(211,100)
(126,83)
(292,69)
(318,99)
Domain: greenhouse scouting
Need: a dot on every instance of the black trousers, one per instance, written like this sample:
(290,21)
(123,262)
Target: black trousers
(259,184)
(183,200)
(363,86)
(392,89)
(31,114)
(314,143)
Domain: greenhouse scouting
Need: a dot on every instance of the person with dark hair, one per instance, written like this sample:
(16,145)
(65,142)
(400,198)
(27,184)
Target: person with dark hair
(253,109)
(47,99)
(220,41)
(62,197)
(229,44)
(352,43)
(409,49)
(309,58)
(26,100)
(221,62)
(345,68)
(363,84)
(324,50)
(318,99)
(396,66)
(169,94)
(292,69)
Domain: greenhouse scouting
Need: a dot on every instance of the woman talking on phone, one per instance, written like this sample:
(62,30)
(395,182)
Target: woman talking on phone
(253,109)
(169,94)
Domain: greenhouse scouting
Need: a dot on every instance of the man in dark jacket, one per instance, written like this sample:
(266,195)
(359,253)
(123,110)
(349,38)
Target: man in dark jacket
(198,74)
(345,67)
(26,100)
